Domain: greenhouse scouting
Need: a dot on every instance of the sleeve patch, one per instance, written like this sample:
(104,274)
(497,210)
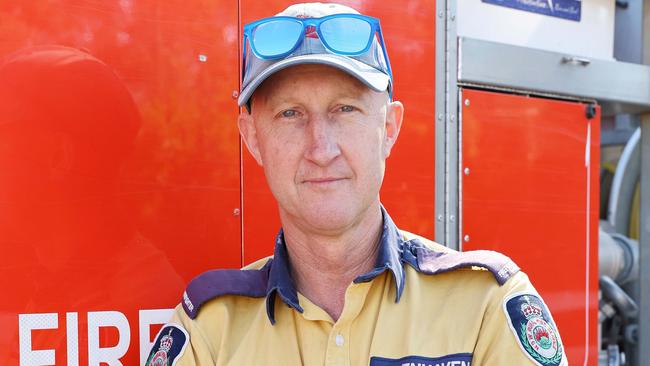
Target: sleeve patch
(534,329)
(169,346)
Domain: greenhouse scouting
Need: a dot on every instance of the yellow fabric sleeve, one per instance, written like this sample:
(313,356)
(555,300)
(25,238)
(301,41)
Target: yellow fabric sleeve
(497,344)
(197,352)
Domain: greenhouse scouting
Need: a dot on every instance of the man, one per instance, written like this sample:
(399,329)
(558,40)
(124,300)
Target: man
(345,286)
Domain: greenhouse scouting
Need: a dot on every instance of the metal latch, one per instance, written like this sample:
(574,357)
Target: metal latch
(575,60)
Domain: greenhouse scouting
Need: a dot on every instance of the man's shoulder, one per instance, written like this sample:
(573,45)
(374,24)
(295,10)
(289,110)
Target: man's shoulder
(431,258)
(250,281)
(430,244)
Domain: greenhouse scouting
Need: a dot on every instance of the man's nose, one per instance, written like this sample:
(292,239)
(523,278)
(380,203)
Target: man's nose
(323,144)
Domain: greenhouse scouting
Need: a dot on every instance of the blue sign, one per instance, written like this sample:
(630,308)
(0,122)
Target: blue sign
(566,9)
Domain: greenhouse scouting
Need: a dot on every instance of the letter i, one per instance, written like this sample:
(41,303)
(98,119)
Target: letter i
(72,336)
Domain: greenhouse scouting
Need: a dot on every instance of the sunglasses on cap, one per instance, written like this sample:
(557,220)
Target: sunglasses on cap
(342,34)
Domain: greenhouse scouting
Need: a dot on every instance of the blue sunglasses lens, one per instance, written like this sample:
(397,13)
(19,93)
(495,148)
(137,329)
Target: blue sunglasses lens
(346,35)
(276,37)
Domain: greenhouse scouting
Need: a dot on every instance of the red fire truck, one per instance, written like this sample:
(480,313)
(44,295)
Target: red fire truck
(122,174)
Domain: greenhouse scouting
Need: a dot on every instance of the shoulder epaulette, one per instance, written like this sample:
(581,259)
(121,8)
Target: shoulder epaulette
(433,262)
(221,282)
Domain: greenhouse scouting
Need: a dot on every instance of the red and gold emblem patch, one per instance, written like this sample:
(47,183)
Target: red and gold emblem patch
(169,346)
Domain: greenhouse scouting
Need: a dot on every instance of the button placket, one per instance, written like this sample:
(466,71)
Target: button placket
(334,355)
(339,340)
(338,349)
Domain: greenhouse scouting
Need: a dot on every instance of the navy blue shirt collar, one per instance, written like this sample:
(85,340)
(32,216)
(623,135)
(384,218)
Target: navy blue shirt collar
(389,257)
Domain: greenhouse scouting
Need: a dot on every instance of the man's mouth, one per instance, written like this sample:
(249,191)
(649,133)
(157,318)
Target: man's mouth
(323,181)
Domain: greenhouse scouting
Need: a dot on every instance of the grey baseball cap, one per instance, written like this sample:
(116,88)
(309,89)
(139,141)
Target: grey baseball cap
(370,67)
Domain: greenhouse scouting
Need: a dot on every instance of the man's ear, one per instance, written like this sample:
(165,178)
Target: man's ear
(248,132)
(394,116)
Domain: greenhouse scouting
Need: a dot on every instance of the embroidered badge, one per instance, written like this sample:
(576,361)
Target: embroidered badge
(534,329)
(169,346)
(458,359)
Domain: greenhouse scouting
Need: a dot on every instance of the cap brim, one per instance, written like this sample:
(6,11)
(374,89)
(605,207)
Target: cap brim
(371,77)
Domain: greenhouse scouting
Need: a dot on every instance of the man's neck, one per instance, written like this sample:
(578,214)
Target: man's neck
(323,266)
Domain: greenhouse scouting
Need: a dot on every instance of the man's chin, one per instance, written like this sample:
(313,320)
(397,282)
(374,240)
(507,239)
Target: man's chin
(331,217)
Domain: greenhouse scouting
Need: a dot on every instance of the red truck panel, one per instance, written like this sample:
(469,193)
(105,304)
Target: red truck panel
(122,189)
(530,190)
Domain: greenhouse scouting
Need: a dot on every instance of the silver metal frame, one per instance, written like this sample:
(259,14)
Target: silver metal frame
(643,345)
(618,86)
(440,112)
(452,136)
(447,208)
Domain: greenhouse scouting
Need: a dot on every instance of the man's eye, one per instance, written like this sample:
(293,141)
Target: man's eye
(289,113)
(347,108)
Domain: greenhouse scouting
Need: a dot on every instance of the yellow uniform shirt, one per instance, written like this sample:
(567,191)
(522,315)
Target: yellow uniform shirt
(422,305)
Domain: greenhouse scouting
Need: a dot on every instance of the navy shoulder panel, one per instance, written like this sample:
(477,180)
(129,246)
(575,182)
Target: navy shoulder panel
(432,262)
(221,282)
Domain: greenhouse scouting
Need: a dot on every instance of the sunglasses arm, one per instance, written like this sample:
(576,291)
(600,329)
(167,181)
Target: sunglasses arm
(383,48)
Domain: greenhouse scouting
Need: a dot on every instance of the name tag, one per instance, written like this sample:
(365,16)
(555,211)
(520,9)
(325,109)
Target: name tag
(458,359)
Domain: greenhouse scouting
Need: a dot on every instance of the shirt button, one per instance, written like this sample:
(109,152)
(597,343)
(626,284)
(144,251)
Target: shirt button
(339,340)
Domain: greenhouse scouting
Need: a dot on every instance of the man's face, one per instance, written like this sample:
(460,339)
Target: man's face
(322,138)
